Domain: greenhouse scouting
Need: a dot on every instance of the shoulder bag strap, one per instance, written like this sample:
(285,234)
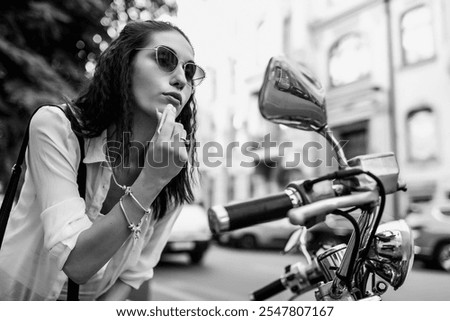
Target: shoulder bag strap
(73,288)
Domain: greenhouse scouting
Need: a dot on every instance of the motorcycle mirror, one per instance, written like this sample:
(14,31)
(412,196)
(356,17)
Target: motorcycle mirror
(392,252)
(292,96)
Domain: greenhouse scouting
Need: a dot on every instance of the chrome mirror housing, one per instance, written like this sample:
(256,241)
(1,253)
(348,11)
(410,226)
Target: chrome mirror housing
(392,252)
(292,96)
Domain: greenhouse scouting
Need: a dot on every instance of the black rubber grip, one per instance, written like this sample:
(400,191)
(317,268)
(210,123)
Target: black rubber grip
(269,290)
(259,210)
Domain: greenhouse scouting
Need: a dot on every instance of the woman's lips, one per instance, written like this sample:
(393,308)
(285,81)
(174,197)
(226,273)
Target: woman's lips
(173,99)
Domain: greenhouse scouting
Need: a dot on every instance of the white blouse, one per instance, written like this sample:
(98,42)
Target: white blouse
(44,225)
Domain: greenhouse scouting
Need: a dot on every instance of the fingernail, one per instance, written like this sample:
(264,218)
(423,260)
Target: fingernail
(172,108)
(161,122)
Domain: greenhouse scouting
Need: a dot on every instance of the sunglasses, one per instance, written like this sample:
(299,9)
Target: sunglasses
(168,60)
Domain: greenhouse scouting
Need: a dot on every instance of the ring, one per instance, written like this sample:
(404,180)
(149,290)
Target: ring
(185,141)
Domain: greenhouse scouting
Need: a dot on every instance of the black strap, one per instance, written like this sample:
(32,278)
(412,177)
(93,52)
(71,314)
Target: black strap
(73,288)
(13,183)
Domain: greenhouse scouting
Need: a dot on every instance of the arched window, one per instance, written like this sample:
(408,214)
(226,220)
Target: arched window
(349,60)
(417,38)
(422,135)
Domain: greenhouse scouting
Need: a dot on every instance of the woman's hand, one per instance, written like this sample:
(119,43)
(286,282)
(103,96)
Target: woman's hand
(166,154)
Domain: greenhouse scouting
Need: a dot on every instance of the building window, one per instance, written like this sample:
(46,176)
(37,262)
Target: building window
(417,39)
(422,134)
(354,138)
(349,60)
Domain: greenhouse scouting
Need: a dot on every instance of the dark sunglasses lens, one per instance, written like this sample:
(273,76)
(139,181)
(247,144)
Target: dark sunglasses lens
(167,60)
(189,71)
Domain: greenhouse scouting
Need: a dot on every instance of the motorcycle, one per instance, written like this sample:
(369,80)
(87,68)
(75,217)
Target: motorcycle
(376,254)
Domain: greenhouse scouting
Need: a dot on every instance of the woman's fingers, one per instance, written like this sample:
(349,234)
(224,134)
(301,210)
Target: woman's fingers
(159,116)
(179,143)
(178,132)
(164,129)
(168,130)
(168,151)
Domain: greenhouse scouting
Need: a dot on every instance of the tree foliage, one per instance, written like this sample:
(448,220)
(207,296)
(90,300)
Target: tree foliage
(45,48)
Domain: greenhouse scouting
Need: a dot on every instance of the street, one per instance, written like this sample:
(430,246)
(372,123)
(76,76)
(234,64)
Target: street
(228,274)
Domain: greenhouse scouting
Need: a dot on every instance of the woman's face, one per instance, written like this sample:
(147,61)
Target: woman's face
(154,88)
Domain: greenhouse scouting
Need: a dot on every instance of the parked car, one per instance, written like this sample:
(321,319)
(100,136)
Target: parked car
(190,233)
(431,231)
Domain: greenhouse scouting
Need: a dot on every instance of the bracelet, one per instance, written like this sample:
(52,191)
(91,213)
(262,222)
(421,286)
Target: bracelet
(146,210)
(136,229)
(129,192)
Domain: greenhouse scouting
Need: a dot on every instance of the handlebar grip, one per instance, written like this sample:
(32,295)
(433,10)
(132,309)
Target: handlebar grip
(243,214)
(269,290)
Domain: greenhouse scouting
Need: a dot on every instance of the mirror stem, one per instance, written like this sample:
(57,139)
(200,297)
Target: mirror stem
(342,160)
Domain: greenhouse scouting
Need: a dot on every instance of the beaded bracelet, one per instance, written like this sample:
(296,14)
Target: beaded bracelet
(136,229)
(129,192)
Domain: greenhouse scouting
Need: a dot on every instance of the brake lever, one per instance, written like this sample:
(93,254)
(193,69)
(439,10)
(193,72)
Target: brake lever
(302,245)
(298,240)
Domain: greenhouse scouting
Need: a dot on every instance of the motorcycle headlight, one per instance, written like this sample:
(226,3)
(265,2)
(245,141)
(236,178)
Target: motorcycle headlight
(392,252)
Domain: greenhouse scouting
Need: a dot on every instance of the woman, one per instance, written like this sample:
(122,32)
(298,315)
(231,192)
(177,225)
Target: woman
(135,117)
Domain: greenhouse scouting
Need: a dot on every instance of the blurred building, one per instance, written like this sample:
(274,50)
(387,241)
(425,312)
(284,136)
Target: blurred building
(421,47)
(385,66)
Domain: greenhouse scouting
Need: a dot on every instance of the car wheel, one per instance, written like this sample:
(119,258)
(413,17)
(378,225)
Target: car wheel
(443,256)
(196,256)
(199,251)
(248,242)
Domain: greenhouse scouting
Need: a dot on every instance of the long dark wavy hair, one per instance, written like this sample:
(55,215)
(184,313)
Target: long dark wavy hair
(108,100)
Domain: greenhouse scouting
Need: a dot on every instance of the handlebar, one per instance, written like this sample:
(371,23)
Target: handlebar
(260,210)
(273,207)
(298,278)
(302,215)
(320,198)
(269,290)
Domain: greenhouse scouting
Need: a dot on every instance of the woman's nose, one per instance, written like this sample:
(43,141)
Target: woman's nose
(179,79)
